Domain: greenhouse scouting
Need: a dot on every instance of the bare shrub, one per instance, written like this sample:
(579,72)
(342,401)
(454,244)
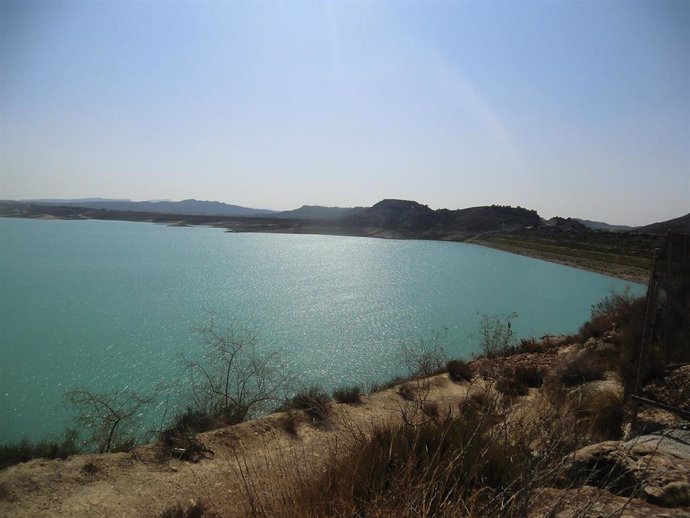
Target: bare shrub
(234,380)
(425,357)
(496,335)
(109,417)
(459,371)
(477,403)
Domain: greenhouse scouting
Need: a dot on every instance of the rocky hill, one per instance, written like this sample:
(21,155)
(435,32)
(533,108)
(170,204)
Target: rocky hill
(679,225)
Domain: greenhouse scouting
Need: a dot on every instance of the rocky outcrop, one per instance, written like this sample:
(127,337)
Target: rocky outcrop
(588,501)
(654,468)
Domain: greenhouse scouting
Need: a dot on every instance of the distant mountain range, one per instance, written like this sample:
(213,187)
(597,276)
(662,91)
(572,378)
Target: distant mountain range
(406,216)
(184,207)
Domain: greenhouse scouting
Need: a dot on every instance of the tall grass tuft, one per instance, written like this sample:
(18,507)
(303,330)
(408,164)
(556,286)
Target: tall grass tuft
(314,401)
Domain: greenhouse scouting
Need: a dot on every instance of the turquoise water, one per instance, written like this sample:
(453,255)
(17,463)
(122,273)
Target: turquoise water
(104,305)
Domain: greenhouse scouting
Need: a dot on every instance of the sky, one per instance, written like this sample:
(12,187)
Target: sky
(577,109)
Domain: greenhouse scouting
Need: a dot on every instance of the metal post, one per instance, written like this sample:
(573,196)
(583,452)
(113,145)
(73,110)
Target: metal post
(650,307)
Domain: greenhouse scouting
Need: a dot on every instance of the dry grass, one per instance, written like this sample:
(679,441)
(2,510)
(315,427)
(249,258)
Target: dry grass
(478,462)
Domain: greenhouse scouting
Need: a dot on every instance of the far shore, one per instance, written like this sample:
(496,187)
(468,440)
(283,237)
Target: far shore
(565,256)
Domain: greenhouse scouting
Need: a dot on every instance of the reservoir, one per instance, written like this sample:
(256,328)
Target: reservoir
(107,305)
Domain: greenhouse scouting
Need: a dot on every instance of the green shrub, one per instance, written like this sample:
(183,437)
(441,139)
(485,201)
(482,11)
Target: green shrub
(459,371)
(350,395)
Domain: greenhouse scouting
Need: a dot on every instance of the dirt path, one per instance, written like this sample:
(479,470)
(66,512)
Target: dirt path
(139,484)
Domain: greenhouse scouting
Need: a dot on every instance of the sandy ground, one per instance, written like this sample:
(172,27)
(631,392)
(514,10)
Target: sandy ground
(140,484)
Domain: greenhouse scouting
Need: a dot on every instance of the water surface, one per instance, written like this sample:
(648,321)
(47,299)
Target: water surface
(104,304)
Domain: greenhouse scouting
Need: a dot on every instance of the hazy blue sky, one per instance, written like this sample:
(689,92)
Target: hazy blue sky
(574,109)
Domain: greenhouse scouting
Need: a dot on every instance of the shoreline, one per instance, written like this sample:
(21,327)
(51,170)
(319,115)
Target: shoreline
(298,227)
(637,277)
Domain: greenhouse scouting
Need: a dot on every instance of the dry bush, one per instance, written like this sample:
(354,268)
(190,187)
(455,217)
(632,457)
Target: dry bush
(290,423)
(622,316)
(459,371)
(509,386)
(407,391)
(235,378)
(581,367)
(590,410)
(431,409)
(109,417)
(484,462)
(598,412)
(314,401)
(424,358)
(476,403)
(496,335)
(349,395)
(198,420)
(477,464)
(529,375)
(182,444)
(193,510)
(532,345)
